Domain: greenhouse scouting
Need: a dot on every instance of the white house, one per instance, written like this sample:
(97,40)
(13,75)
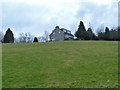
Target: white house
(60,34)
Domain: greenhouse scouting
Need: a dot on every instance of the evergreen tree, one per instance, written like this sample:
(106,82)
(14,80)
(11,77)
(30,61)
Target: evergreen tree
(106,34)
(35,39)
(100,35)
(9,37)
(90,34)
(81,32)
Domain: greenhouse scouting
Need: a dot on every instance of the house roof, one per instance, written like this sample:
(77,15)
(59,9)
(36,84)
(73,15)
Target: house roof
(68,32)
(52,33)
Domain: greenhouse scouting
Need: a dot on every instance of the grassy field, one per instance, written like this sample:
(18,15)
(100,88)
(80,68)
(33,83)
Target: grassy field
(74,64)
(0,66)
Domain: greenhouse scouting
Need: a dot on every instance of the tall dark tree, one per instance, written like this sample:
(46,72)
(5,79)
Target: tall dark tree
(35,39)
(81,32)
(9,37)
(107,34)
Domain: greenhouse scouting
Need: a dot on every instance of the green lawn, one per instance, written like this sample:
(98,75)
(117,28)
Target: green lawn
(72,64)
(0,66)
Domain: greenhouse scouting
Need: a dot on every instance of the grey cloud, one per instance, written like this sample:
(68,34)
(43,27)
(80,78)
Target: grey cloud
(119,13)
(101,14)
(36,19)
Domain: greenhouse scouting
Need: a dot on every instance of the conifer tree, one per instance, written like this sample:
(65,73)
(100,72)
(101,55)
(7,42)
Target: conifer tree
(81,32)
(8,37)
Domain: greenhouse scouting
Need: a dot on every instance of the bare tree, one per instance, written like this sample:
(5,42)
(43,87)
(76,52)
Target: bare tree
(16,40)
(26,37)
(42,39)
(46,36)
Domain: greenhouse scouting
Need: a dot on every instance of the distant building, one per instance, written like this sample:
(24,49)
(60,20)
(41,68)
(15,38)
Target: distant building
(61,34)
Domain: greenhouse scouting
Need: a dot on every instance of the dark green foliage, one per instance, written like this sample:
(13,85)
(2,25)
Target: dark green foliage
(119,33)
(100,35)
(81,32)
(9,37)
(35,39)
(106,34)
(112,34)
(90,34)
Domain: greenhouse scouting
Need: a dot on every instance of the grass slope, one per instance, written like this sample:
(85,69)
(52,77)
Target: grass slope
(74,64)
(0,66)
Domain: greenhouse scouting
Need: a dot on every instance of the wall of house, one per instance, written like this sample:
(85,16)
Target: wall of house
(57,35)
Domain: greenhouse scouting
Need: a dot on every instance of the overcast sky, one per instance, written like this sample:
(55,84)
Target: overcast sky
(36,16)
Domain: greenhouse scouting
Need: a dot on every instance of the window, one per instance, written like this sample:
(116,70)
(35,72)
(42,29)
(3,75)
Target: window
(53,39)
(59,31)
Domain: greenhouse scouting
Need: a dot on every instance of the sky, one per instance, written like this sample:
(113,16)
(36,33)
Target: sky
(38,16)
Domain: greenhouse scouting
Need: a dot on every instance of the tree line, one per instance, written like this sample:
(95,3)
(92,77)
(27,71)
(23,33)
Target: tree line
(107,34)
(22,38)
(80,34)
